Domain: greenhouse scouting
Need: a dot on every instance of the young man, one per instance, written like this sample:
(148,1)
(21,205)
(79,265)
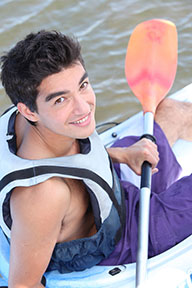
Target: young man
(62,204)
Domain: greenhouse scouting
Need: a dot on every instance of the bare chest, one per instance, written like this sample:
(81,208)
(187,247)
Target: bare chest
(78,221)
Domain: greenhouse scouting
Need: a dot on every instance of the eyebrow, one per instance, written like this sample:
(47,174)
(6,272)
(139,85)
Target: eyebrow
(59,93)
(85,75)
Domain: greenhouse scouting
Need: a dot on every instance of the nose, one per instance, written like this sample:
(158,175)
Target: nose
(81,105)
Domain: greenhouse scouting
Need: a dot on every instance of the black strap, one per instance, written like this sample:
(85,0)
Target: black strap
(43,281)
(149,136)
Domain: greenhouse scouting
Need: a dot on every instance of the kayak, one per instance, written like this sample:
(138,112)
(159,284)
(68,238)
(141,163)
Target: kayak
(172,268)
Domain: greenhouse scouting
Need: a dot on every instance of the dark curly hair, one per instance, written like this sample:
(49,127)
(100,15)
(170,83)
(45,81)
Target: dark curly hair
(34,58)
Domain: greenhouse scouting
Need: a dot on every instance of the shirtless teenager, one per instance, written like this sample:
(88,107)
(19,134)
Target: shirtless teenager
(45,77)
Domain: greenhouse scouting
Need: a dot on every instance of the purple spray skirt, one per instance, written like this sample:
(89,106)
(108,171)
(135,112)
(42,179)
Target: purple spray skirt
(170,206)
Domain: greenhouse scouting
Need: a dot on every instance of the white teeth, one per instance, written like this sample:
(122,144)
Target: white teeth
(81,121)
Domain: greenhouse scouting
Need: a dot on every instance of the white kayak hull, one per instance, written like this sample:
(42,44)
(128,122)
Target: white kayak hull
(172,268)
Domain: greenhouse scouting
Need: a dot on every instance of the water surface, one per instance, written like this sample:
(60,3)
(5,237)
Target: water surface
(103,28)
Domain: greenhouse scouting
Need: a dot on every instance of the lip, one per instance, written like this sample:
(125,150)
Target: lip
(84,121)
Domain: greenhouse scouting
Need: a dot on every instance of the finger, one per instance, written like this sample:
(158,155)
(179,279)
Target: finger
(152,157)
(148,145)
(155,170)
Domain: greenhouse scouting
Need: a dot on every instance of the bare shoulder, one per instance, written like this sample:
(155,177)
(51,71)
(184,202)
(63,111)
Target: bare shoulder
(51,197)
(37,214)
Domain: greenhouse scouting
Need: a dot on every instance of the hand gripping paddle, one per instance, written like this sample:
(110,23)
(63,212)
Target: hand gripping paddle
(150,68)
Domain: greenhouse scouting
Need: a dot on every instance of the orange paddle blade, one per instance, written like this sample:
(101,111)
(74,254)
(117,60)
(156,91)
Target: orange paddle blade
(151,61)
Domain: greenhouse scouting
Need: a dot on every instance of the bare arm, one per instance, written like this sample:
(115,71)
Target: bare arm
(37,214)
(136,154)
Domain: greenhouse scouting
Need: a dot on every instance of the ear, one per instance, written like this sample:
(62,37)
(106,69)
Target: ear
(27,113)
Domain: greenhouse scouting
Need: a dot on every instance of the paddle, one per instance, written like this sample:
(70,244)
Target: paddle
(150,68)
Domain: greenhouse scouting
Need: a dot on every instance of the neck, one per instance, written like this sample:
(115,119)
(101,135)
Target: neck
(58,145)
(35,143)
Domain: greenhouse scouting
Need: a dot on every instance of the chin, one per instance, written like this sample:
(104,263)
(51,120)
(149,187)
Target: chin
(86,134)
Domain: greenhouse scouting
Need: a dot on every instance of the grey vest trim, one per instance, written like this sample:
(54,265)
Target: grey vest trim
(22,172)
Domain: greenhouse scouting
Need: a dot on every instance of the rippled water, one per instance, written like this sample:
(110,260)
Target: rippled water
(103,28)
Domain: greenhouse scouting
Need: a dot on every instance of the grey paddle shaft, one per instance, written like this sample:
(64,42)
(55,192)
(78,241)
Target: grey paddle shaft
(144,208)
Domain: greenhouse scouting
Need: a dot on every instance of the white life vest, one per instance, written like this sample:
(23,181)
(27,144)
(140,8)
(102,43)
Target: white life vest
(92,167)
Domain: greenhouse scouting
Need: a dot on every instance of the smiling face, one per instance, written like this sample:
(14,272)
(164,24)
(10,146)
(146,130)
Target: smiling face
(66,104)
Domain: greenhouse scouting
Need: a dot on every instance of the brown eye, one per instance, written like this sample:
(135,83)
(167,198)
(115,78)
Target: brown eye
(60,100)
(84,85)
